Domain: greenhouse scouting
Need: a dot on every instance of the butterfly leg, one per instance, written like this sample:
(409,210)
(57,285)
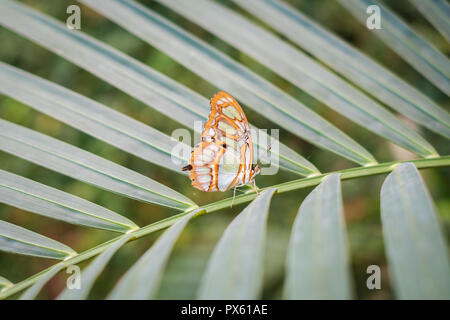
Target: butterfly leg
(234,196)
(255,187)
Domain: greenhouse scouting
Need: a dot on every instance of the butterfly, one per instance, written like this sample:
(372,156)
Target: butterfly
(224,157)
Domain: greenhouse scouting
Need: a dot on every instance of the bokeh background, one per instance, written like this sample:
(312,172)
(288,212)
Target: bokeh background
(187,262)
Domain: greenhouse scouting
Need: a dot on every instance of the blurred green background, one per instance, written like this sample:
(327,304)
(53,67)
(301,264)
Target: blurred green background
(186,265)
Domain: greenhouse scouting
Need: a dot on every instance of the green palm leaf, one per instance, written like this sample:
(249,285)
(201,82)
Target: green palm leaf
(41,199)
(318,261)
(18,240)
(235,269)
(415,246)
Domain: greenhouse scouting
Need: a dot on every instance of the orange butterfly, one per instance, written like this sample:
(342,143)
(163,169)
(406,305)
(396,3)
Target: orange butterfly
(224,157)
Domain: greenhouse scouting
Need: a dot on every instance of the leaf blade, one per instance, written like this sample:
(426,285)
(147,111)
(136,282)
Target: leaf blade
(317,260)
(35,197)
(234,270)
(19,240)
(415,246)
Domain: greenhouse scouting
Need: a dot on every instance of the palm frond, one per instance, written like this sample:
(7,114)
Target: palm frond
(317,264)
(223,204)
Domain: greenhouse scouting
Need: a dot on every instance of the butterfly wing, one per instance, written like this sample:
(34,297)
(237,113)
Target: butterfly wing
(224,157)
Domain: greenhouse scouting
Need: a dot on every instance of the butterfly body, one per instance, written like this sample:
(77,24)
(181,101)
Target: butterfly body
(224,157)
